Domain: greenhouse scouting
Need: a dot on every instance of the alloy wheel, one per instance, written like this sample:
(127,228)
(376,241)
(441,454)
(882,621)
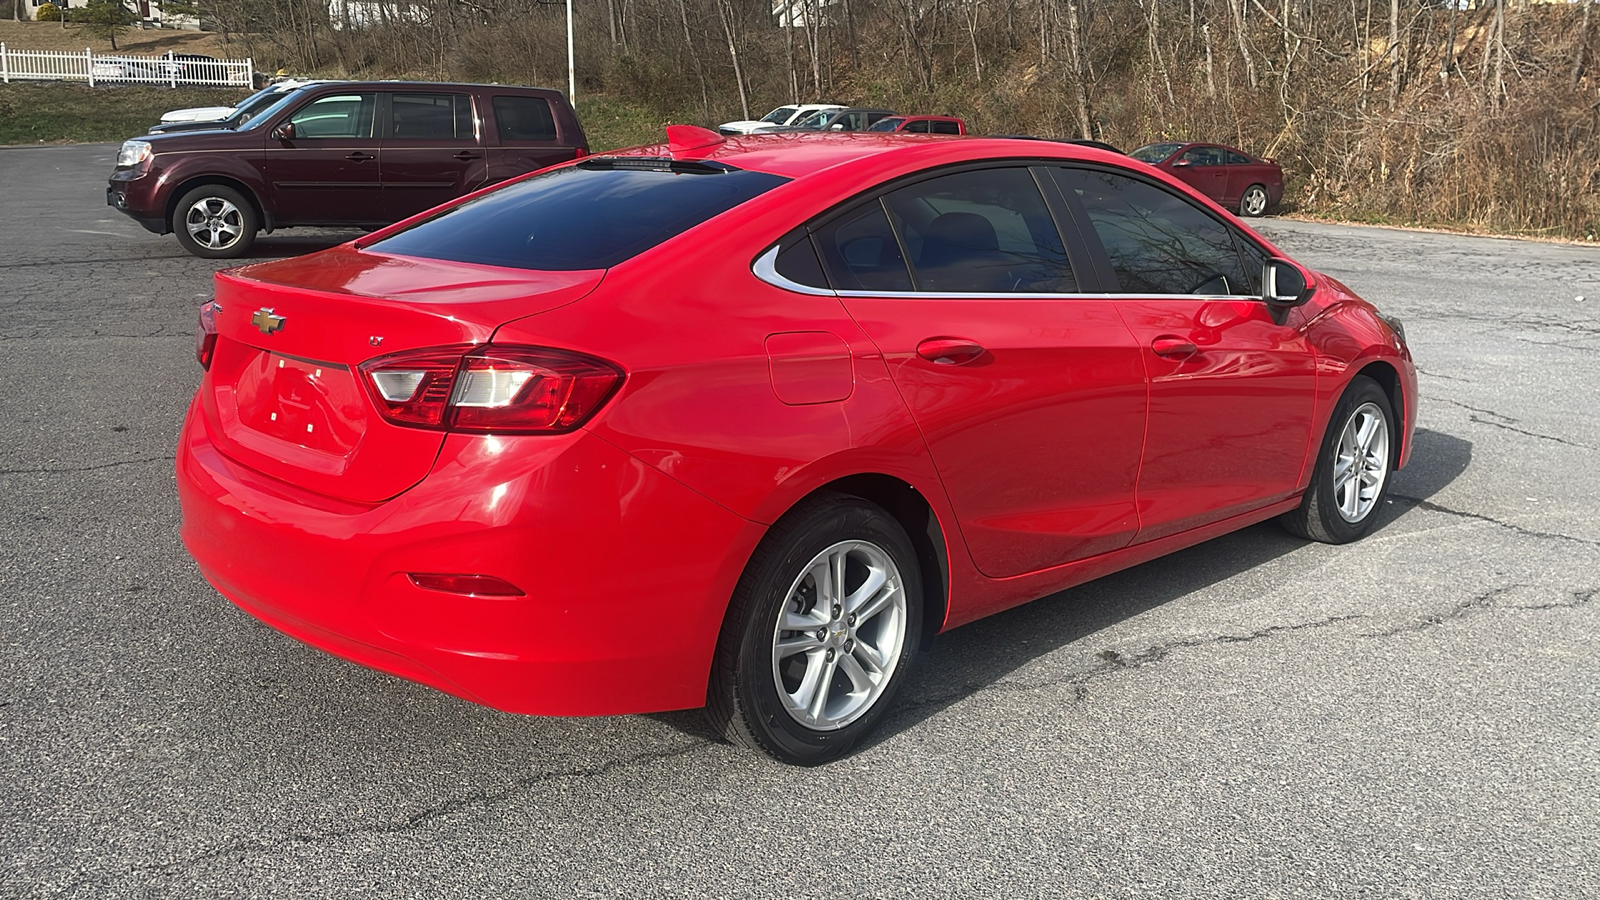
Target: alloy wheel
(214,223)
(839,636)
(1361,462)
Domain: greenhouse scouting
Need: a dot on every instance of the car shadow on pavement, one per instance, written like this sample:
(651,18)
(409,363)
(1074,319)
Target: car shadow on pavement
(978,656)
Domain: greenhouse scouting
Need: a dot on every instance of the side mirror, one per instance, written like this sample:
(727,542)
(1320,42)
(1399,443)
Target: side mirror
(1181,164)
(284,132)
(1285,284)
(837,127)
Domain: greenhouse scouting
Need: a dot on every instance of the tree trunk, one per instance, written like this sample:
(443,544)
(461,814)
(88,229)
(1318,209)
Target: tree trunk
(1582,58)
(725,12)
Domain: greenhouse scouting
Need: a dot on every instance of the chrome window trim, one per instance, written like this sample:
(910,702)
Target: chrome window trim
(766,268)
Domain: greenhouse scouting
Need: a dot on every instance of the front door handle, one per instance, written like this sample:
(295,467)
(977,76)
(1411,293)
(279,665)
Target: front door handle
(949,351)
(1170,346)
(358,156)
(466,154)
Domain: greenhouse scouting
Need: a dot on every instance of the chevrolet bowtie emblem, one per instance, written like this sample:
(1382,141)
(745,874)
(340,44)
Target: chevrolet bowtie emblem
(266,321)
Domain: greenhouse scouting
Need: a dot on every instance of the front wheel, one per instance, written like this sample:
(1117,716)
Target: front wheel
(1353,466)
(821,632)
(1254,201)
(215,222)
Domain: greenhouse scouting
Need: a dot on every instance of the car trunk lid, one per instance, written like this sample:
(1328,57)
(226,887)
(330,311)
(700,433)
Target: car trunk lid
(284,393)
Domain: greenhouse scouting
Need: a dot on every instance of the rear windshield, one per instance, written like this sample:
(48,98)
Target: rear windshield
(1154,153)
(589,216)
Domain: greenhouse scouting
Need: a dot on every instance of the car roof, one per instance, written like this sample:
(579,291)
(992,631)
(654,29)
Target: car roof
(804,153)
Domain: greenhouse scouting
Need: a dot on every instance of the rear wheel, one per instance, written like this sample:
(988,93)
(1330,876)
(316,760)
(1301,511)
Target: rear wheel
(1353,468)
(215,222)
(1254,201)
(822,629)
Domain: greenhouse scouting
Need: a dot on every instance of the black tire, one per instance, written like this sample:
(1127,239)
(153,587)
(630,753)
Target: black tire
(743,698)
(215,222)
(1321,517)
(1253,202)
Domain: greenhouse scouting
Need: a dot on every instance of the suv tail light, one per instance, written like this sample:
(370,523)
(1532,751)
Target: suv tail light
(515,390)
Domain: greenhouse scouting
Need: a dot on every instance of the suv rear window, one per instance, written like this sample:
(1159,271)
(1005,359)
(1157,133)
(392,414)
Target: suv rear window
(524,119)
(589,216)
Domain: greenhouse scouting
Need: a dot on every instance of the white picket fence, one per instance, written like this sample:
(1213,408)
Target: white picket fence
(116,68)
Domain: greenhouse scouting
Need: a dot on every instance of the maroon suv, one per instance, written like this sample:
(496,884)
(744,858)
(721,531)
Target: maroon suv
(347,153)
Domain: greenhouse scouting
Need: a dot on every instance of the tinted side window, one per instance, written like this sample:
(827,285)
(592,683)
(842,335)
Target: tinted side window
(337,116)
(1238,159)
(984,231)
(946,128)
(1203,156)
(1159,243)
(437,117)
(579,217)
(861,253)
(918,127)
(524,119)
(798,262)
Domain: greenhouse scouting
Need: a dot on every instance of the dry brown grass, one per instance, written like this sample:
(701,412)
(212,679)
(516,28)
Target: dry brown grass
(134,41)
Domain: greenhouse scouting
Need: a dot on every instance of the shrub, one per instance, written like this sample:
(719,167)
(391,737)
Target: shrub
(48,12)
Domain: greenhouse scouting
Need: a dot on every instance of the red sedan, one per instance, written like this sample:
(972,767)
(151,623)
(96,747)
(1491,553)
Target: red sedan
(1235,179)
(742,423)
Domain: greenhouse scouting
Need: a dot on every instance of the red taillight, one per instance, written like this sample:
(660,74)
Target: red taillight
(580,153)
(205,335)
(515,390)
(470,585)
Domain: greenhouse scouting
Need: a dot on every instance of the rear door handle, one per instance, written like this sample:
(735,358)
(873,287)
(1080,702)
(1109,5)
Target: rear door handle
(358,156)
(466,154)
(949,351)
(1167,345)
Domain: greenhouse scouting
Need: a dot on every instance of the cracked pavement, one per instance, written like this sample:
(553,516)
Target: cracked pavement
(1257,717)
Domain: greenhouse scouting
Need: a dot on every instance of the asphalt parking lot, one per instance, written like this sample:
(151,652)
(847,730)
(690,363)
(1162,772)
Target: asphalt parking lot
(1416,715)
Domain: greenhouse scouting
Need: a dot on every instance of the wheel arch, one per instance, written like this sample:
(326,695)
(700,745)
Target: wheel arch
(222,181)
(1388,378)
(907,506)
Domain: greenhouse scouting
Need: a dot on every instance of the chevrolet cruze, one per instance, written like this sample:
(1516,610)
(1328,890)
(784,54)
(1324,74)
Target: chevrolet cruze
(743,422)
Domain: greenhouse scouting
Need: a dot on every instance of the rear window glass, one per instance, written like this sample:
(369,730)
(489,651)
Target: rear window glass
(524,119)
(590,216)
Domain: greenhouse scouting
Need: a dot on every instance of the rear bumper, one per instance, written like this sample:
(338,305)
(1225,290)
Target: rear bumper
(627,573)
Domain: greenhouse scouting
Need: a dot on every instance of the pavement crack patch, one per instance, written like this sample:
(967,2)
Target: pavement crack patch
(418,820)
(1157,653)
(1509,423)
(111,465)
(1430,506)
(1111,662)
(1461,610)
(1573,601)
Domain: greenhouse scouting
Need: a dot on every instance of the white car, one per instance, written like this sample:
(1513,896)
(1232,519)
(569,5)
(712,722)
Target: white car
(778,118)
(218,113)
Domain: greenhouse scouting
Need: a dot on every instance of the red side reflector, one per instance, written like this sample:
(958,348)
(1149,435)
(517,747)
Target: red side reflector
(469,585)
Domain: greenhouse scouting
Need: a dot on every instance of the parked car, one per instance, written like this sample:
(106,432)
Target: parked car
(921,125)
(194,66)
(849,119)
(339,153)
(197,119)
(111,68)
(780,117)
(202,117)
(1252,185)
(743,423)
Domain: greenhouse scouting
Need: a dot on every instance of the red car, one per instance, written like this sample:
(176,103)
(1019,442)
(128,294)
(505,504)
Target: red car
(1235,179)
(742,423)
(921,125)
